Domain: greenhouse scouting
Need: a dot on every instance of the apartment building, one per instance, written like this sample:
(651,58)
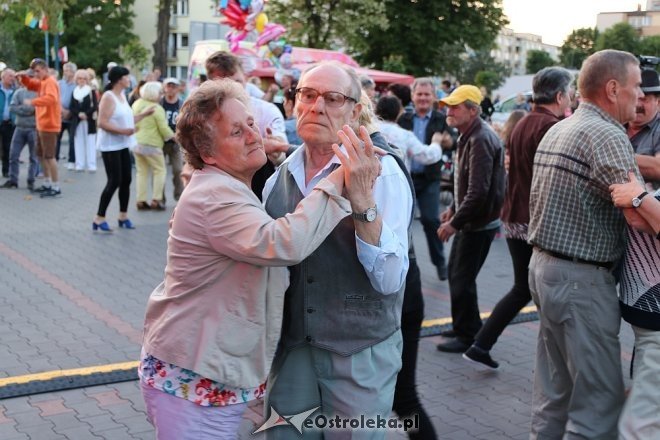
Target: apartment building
(190,21)
(646,22)
(512,49)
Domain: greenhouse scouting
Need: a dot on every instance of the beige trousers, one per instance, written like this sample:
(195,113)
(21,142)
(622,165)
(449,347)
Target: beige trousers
(144,165)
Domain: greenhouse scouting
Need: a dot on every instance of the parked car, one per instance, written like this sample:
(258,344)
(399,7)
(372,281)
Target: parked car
(504,108)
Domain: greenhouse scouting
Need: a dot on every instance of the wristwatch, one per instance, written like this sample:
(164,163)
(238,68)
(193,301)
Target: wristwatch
(638,200)
(367,216)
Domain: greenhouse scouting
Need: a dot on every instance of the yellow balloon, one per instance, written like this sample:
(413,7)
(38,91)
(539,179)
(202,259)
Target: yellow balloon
(260,22)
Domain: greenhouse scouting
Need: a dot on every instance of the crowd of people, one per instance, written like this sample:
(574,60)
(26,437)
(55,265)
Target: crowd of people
(291,274)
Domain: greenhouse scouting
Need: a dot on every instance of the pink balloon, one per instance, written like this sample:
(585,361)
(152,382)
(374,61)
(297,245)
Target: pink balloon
(271,31)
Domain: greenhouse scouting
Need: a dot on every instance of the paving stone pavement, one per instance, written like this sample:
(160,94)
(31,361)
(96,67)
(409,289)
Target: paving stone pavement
(71,298)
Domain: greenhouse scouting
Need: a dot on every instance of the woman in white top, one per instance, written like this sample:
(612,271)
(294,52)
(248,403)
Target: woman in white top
(116,126)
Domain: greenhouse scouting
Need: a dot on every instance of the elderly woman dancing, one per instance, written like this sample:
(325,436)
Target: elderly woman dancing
(212,326)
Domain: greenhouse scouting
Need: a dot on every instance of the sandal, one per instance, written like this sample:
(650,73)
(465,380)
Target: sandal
(157,205)
(143,206)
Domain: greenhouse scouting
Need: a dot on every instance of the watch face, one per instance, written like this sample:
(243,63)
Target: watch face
(371,214)
(636,202)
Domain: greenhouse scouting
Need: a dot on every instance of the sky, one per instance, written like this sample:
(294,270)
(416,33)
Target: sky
(554,20)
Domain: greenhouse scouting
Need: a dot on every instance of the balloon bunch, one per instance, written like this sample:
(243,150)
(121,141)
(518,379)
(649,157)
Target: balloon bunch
(245,16)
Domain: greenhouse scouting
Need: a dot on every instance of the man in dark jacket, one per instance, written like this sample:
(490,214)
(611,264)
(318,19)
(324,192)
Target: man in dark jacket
(474,216)
(424,122)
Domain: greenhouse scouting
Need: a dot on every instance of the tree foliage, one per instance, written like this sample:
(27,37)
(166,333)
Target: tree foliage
(621,36)
(8,54)
(327,23)
(578,46)
(537,60)
(93,31)
(650,46)
(135,53)
(480,68)
(431,35)
(421,36)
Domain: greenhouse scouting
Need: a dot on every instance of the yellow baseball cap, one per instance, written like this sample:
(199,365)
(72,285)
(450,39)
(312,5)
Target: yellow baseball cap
(462,94)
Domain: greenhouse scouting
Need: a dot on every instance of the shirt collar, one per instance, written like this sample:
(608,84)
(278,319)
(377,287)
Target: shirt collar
(427,116)
(589,107)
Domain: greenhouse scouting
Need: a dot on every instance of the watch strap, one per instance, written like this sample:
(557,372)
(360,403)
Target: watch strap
(639,198)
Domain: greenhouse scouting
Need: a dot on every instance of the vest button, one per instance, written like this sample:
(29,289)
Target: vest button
(310,279)
(310,310)
(308,339)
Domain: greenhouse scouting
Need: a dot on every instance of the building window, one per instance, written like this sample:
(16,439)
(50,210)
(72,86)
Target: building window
(171,45)
(180,8)
(183,43)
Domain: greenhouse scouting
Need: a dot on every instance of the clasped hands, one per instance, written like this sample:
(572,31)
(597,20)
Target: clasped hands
(360,166)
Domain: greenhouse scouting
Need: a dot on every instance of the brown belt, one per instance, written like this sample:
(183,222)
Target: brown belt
(606,264)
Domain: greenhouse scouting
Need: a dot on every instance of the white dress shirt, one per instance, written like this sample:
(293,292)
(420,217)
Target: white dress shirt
(386,265)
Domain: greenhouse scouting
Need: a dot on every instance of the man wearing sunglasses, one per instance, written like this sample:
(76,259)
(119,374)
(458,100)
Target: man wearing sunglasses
(340,347)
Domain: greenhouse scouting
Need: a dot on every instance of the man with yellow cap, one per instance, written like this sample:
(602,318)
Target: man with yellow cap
(473,218)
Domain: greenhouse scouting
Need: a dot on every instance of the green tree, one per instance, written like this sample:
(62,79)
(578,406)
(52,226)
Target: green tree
(489,79)
(135,53)
(480,68)
(621,36)
(429,35)
(537,60)
(93,32)
(650,46)
(326,23)
(578,46)
(8,53)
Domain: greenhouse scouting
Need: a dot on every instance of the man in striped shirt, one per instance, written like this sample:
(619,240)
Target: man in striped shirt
(578,235)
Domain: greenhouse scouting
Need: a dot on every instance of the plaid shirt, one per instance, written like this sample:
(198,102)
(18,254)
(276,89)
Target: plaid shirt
(571,211)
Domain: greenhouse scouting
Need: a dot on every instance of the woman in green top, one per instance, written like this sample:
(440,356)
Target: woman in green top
(152,132)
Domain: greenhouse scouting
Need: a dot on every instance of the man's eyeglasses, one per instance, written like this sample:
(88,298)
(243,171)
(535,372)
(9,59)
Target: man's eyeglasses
(308,95)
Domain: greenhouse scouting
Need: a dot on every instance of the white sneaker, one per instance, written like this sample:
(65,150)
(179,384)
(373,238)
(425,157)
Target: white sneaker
(70,166)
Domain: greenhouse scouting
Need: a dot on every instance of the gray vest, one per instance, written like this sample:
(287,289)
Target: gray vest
(330,302)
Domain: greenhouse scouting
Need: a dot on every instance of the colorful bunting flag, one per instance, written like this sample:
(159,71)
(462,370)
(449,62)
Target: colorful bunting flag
(63,53)
(60,24)
(30,20)
(43,23)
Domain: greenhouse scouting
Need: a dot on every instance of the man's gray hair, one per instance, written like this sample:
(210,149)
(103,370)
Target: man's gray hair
(601,67)
(424,81)
(473,105)
(71,65)
(550,81)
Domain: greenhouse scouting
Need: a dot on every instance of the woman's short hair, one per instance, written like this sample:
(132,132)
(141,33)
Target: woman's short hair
(150,91)
(198,117)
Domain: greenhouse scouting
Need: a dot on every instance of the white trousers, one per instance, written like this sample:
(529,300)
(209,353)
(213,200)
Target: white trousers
(85,147)
(179,419)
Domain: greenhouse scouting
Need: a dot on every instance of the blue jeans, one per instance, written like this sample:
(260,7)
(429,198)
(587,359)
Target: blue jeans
(21,137)
(428,201)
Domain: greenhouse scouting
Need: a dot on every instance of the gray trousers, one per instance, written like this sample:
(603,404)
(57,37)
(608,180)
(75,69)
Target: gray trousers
(578,383)
(307,377)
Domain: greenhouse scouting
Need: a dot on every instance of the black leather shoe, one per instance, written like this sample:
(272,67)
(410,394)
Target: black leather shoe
(9,184)
(454,345)
(451,333)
